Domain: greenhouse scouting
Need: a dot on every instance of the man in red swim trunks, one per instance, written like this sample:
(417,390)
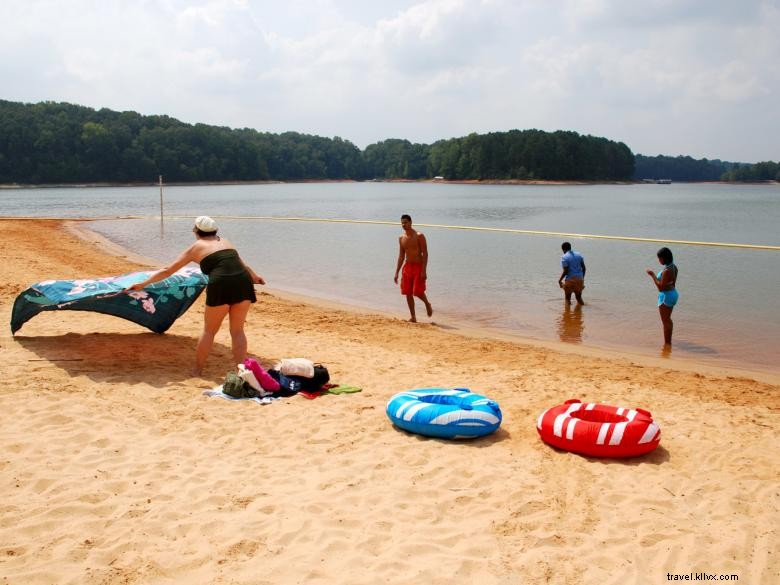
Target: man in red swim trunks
(414,250)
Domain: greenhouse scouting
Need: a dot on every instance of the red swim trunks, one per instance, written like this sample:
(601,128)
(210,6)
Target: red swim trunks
(412,282)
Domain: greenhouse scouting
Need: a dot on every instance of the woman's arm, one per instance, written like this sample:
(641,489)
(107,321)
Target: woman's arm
(664,282)
(183,259)
(256,278)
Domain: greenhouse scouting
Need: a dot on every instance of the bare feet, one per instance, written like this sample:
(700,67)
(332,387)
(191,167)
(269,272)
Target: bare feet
(412,320)
(429,309)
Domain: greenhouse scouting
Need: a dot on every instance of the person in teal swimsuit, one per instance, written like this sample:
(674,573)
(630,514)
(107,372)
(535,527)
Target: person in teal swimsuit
(230,290)
(666,281)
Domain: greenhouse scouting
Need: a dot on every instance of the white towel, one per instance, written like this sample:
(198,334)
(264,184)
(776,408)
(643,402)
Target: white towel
(217,391)
(249,377)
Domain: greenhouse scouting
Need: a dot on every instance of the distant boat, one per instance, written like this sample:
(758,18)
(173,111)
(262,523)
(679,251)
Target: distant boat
(658,181)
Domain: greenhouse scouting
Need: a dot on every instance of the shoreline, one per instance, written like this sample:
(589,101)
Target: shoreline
(459,327)
(117,468)
(632,356)
(450,324)
(313,181)
(336,181)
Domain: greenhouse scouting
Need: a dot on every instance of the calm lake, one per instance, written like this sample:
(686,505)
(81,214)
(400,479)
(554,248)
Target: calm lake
(729,309)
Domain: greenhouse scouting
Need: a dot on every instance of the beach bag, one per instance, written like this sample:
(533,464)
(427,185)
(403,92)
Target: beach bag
(296,367)
(318,380)
(237,388)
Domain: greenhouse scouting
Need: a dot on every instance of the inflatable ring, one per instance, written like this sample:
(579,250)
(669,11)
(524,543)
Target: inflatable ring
(440,412)
(599,430)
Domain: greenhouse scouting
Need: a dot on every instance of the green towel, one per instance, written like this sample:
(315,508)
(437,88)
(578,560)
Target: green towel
(343,389)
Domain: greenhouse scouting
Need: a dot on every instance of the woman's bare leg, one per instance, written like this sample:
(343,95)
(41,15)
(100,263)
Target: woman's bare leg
(212,319)
(238,313)
(666,320)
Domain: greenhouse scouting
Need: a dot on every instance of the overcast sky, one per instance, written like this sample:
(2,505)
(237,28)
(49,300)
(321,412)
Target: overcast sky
(699,78)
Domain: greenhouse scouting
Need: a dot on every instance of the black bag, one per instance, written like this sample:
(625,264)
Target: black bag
(320,378)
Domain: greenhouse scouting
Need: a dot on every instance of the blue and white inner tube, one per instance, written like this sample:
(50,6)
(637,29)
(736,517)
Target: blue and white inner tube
(440,412)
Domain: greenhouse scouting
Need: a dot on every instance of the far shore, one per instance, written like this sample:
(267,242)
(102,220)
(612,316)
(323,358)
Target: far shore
(326,181)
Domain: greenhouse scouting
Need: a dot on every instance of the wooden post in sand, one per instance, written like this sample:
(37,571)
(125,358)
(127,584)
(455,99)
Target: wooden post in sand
(161,201)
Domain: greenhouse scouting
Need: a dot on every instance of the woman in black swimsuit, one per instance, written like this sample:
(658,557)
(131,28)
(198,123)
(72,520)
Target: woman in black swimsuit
(230,290)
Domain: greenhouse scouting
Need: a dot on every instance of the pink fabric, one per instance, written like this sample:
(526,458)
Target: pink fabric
(265,379)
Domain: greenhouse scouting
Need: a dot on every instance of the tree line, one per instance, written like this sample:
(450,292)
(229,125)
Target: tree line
(65,143)
(52,142)
(762,171)
(685,168)
(516,154)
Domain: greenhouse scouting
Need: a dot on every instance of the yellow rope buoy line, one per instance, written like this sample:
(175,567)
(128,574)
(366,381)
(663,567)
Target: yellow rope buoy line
(501,230)
(434,225)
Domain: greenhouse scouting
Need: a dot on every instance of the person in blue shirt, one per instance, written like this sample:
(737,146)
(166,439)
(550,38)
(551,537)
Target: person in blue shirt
(572,279)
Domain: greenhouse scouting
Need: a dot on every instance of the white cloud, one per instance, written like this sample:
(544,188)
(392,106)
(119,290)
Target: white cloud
(674,76)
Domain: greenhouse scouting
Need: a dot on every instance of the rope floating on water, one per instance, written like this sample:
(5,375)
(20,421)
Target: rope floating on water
(500,230)
(433,225)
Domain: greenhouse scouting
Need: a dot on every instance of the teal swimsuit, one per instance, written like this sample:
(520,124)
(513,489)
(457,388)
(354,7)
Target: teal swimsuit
(668,297)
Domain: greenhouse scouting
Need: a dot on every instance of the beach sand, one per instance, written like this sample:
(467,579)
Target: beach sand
(116,469)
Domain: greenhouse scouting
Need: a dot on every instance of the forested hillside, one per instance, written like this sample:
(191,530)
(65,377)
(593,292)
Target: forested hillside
(64,143)
(685,168)
(526,154)
(763,171)
(680,168)
(53,142)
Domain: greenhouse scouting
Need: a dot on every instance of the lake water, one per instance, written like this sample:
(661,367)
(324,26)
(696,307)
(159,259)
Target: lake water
(728,314)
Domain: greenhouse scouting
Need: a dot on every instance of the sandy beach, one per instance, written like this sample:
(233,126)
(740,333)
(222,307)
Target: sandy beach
(117,469)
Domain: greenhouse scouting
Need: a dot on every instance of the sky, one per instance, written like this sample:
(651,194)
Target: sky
(674,77)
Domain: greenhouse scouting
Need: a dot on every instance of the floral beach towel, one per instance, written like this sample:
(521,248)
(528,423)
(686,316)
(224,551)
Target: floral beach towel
(156,307)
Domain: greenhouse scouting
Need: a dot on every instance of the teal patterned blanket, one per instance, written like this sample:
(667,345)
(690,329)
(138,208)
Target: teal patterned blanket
(155,307)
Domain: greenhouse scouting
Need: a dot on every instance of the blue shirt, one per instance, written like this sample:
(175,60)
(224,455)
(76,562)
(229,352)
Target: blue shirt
(573,262)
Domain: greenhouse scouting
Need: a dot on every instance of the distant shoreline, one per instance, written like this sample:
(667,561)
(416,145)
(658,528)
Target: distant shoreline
(326,181)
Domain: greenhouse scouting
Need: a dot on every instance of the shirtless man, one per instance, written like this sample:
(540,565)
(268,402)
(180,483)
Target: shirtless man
(414,250)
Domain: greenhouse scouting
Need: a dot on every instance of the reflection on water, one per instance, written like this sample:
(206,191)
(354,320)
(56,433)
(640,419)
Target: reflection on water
(571,324)
(695,348)
(688,347)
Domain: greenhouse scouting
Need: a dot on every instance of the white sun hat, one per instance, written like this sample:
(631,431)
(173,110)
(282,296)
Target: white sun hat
(205,224)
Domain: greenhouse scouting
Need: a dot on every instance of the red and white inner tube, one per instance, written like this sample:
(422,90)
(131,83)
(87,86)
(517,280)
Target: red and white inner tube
(599,430)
